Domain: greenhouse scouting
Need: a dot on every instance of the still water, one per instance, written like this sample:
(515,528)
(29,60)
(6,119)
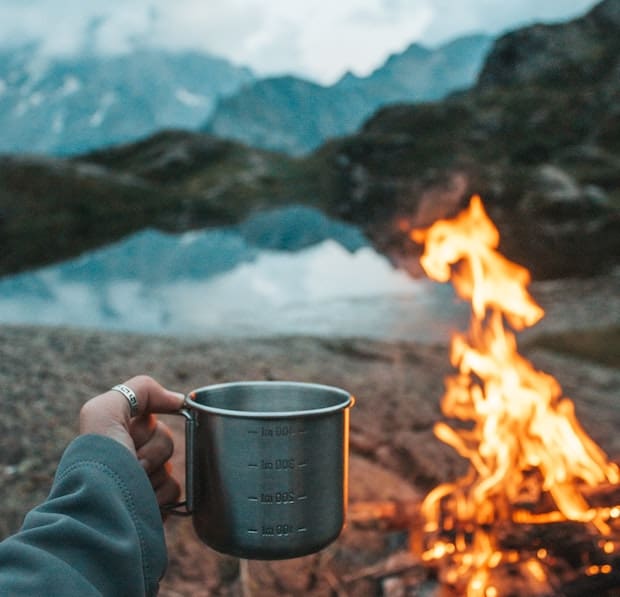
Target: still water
(219,283)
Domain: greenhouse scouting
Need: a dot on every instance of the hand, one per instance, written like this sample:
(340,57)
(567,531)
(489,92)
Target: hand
(144,436)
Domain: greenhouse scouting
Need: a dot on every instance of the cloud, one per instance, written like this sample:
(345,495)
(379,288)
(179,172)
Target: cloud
(491,16)
(319,39)
(322,39)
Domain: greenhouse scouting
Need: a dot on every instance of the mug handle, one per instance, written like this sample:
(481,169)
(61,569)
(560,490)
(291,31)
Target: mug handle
(186,507)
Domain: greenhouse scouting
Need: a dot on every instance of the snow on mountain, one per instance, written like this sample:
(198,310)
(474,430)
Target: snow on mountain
(59,105)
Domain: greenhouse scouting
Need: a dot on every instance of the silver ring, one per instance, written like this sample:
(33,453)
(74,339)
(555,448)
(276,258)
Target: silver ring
(131,398)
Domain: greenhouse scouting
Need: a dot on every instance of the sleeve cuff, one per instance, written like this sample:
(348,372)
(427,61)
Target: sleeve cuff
(132,484)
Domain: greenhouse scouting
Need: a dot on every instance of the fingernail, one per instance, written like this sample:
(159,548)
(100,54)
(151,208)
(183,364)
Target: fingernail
(144,463)
(179,395)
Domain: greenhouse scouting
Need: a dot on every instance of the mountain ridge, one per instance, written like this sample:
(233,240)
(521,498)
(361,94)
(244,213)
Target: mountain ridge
(295,116)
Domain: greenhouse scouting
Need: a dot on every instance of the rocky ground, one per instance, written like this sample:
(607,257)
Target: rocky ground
(46,374)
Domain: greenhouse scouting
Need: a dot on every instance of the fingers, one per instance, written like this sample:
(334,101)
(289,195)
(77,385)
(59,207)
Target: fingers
(153,397)
(160,476)
(167,489)
(141,429)
(154,445)
(153,442)
(168,492)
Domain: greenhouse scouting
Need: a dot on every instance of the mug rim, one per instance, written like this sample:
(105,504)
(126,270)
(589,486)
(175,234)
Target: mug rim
(347,400)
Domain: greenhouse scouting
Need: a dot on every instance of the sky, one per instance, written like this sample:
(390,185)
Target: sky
(316,39)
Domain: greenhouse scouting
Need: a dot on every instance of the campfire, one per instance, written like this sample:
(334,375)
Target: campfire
(531,464)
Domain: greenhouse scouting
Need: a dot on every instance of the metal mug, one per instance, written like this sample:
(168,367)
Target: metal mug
(267,466)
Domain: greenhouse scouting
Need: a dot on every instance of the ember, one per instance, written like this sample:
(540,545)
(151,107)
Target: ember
(531,462)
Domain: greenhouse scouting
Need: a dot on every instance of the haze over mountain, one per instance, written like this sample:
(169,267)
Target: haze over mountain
(295,116)
(67,105)
(317,40)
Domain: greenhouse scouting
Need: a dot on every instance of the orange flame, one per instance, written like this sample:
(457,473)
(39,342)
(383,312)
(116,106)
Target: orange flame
(523,437)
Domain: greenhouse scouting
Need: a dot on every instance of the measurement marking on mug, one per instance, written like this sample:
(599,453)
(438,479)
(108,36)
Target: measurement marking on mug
(279,497)
(278,464)
(301,498)
(253,498)
(253,431)
(277,530)
(252,465)
(302,465)
(277,431)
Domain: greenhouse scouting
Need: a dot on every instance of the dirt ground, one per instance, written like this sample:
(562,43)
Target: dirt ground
(47,373)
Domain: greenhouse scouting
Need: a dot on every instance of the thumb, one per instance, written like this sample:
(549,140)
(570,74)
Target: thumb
(152,397)
(110,413)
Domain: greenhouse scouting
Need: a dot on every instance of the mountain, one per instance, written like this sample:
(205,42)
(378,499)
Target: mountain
(538,137)
(74,104)
(53,208)
(572,53)
(296,116)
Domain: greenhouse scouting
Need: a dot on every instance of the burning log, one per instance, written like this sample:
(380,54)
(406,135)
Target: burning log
(396,564)
(538,560)
(597,584)
(603,495)
(388,515)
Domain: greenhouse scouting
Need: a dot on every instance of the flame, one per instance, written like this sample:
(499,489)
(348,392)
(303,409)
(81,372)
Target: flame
(522,438)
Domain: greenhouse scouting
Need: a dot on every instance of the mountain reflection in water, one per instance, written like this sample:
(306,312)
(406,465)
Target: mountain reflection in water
(290,272)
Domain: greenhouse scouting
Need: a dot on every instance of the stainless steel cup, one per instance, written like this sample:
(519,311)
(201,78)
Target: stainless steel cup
(267,466)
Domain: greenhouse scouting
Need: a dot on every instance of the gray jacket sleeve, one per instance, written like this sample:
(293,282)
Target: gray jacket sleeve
(98,533)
